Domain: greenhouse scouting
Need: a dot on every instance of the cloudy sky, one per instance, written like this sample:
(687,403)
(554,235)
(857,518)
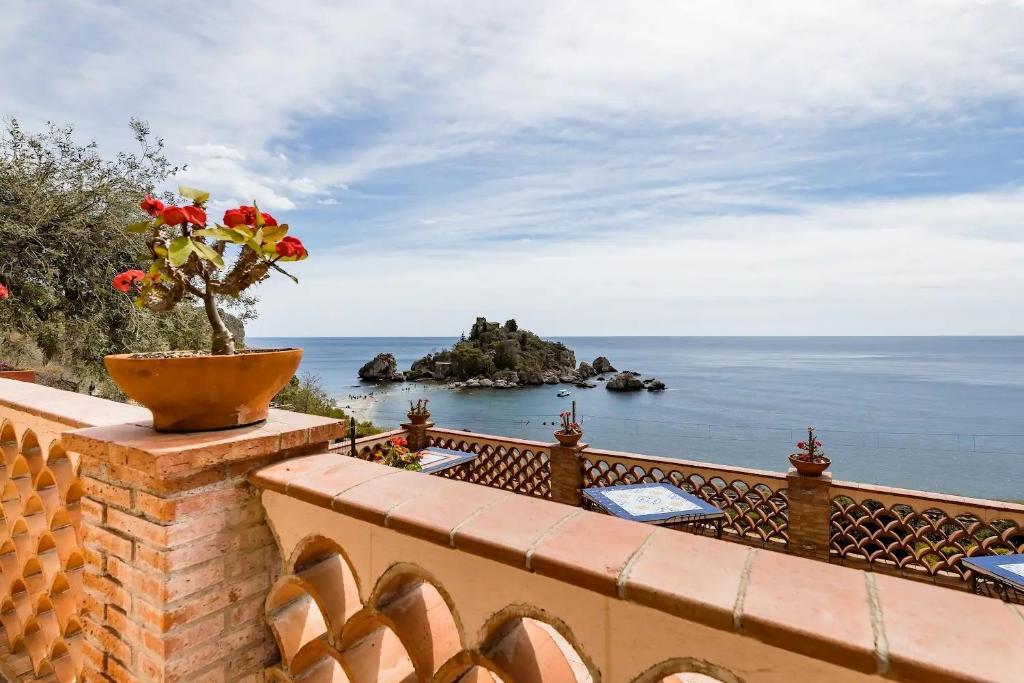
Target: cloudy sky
(699,167)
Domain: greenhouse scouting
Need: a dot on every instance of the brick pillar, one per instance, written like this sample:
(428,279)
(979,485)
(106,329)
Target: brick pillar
(417,435)
(810,512)
(566,473)
(179,557)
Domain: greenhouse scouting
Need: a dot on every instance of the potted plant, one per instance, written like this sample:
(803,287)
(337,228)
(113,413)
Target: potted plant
(418,413)
(396,453)
(569,433)
(810,461)
(228,387)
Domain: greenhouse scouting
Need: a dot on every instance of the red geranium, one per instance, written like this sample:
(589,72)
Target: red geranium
(124,281)
(195,215)
(268,219)
(152,206)
(399,441)
(174,215)
(4,292)
(234,217)
(290,246)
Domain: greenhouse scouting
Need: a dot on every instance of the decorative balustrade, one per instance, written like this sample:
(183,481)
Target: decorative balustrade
(754,501)
(918,534)
(42,558)
(510,464)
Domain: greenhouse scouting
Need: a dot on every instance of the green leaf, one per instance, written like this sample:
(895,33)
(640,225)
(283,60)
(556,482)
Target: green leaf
(274,233)
(198,196)
(205,251)
(141,226)
(179,251)
(226,234)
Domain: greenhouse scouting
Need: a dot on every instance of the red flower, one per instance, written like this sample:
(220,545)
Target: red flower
(124,281)
(268,219)
(234,217)
(801,444)
(290,246)
(4,292)
(399,441)
(195,215)
(174,215)
(152,206)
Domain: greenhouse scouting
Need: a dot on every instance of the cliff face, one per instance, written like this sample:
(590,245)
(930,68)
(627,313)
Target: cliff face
(501,353)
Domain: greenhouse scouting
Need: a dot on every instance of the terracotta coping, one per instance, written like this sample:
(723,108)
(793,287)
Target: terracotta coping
(867,622)
(67,407)
(165,457)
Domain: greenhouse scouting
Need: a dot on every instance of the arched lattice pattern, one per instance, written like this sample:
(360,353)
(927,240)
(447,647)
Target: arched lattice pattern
(929,542)
(41,561)
(512,468)
(408,630)
(755,513)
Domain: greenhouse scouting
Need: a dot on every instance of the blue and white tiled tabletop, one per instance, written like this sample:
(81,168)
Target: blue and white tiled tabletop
(652,503)
(1006,568)
(434,460)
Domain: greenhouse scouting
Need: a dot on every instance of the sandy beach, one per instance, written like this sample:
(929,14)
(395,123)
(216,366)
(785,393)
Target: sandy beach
(359,407)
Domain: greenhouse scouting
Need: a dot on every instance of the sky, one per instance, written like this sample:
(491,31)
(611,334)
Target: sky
(691,168)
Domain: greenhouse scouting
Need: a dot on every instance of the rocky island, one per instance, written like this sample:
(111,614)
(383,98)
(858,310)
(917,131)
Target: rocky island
(503,357)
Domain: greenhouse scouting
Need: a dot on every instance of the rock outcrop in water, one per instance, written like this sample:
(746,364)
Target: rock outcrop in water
(624,381)
(497,356)
(383,368)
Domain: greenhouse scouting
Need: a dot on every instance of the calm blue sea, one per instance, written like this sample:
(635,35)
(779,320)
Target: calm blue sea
(934,413)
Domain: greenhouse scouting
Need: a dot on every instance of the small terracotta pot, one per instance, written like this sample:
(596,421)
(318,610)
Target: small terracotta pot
(203,393)
(418,419)
(809,469)
(568,439)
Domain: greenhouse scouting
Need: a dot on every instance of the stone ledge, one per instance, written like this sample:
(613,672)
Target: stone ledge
(805,606)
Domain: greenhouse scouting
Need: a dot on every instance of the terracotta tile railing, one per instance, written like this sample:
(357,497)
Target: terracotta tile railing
(42,556)
(918,534)
(398,576)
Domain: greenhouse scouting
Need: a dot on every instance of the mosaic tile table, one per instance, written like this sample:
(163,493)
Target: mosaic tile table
(999,576)
(437,460)
(661,504)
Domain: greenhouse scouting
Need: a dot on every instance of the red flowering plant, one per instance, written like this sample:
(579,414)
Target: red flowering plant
(810,450)
(4,292)
(396,453)
(187,257)
(568,425)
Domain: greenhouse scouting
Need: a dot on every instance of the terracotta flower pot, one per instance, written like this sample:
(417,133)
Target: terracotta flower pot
(418,419)
(810,469)
(568,439)
(189,393)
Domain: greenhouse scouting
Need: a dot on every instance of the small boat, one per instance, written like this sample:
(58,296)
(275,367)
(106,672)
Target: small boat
(564,392)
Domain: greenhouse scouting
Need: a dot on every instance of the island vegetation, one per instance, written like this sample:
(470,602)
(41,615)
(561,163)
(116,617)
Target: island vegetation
(502,356)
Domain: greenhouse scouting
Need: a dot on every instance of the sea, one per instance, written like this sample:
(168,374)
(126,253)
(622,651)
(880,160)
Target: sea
(932,413)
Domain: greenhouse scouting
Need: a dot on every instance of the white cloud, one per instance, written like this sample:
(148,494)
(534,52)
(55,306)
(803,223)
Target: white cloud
(674,148)
(874,267)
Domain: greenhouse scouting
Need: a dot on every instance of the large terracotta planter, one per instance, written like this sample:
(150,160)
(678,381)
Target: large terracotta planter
(568,439)
(810,469)
(202,393)
(418,418)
